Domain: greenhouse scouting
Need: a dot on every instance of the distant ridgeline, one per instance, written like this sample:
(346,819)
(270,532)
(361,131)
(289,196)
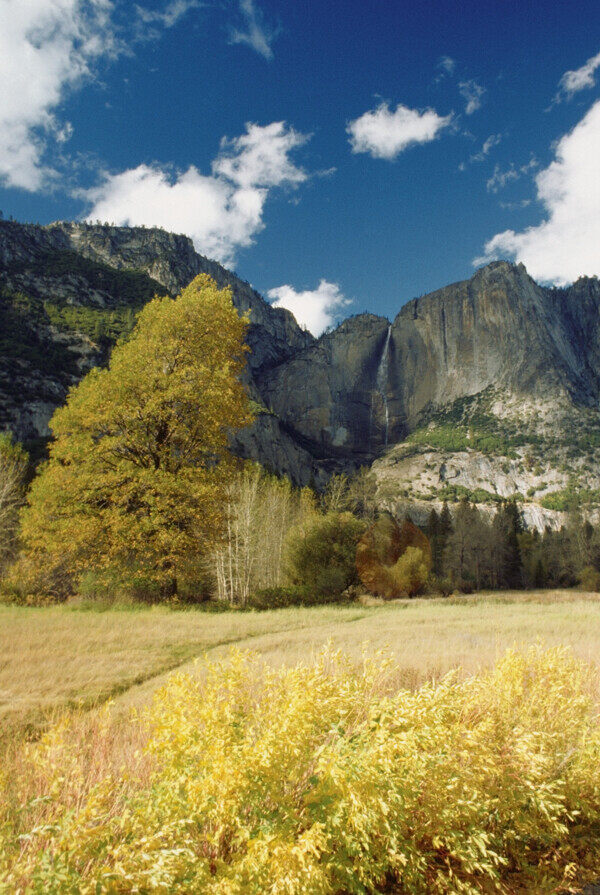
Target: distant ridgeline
(485,389)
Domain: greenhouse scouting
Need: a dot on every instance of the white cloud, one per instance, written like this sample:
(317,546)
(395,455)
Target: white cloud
(385,134)
(447,64)
(500,178)
(580,79)
(223,211)
(472,93)
(169,16)
(565,245)
(46,47)
(255,33)
(487,147)
(315,309)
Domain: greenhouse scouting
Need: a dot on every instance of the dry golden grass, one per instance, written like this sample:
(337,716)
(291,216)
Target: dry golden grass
(58,657)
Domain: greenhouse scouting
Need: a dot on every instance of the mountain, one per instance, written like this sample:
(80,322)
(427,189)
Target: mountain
(487,388)
(68,290)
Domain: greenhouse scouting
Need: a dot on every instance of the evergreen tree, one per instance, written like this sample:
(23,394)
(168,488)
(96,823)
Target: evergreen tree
(432,531)
(445,529)
(508,525)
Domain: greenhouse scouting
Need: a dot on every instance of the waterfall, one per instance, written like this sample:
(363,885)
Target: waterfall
(382,380)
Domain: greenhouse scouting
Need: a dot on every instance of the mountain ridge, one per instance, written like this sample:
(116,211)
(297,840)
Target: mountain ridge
(505,365)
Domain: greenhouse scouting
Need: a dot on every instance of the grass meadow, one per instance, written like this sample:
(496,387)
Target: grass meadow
(62,657)
(82,760)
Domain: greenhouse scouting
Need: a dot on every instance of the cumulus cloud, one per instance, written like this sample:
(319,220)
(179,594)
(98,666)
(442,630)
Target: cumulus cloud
(565,245)
(255,32)
(46,47)
(315,309)
(472,93)
(223,211)
(579,79)
(384,134)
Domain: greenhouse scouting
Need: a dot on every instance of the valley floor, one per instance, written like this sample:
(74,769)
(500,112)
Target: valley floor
(62,657)
(57,658)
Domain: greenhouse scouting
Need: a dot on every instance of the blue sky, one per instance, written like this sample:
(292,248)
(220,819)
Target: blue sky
(340,156)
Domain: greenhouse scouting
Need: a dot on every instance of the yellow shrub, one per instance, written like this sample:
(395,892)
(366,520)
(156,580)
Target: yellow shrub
(326,779)
(410,572)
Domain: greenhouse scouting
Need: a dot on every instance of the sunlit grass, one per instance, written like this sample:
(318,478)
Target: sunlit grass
(56,657)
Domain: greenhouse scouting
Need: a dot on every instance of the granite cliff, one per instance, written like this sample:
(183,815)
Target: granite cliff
(370,381)
(488,387)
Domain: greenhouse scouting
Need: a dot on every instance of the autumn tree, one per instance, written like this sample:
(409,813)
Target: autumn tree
(410,571)
(393,560)
(140,462)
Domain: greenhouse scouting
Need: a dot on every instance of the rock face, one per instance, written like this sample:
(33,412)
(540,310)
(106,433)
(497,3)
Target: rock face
(331,393)
(494,354)
(497,329)
(168,260)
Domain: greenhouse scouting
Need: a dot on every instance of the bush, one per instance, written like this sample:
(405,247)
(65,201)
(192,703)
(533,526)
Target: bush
(589,579)
(380,560)
(409,573)
(29,583)
(318,780)
(441,585)
(278,597)
(465,585)
(322,553)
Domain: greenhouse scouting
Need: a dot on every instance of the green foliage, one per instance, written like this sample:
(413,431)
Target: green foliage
(283,596)
(132,287)
(102,326)
(322,552)
(23,340)
(570,498)
(25,337)
(322,779)
(455,493)
(589,579)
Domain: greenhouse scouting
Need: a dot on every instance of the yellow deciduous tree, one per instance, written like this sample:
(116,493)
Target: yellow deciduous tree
(139,463)
(410,572)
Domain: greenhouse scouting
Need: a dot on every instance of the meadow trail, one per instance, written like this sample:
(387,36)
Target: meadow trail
(57,658)
(60,658)
(140,692)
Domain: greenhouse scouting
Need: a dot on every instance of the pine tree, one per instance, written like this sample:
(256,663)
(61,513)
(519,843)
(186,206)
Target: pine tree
(432,531)
(508,525)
